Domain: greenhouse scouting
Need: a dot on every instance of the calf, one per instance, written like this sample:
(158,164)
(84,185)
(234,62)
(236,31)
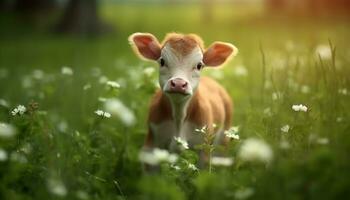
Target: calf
(185,101)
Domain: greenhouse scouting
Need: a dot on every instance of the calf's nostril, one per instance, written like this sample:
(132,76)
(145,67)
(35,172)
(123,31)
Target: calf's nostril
(172,83)
(184,85)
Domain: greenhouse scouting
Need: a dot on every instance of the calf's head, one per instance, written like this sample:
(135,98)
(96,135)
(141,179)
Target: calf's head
(181,59)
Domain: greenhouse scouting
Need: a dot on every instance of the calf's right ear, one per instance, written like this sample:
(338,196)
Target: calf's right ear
(145,45)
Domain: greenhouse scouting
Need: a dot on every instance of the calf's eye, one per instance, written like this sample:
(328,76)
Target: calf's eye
(162,62)
(200,66)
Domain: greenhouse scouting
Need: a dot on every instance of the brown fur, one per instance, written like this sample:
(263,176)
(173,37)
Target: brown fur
(209,104)
(183,44)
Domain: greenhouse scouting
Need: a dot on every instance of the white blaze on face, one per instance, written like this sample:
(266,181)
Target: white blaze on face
(180,66)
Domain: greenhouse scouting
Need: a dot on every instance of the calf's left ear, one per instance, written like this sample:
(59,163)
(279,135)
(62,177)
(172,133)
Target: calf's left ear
(145,45)
(218,53)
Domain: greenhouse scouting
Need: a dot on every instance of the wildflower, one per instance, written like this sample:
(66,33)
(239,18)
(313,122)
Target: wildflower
(3,155)
(267,111)
(57,187)
(305,89)
(113,84)
(19,110)
(324,52)
(217,74)
(149,71)
(4,103)
(181,142)
(339,119)
(87,86)
(343,91)
(285,128)
(240,71)
(82,195)
(157,156)
(103,114)
(176,167)
(299,107)
(322,141)
(62,126)
(284,144)
(38,74)
(67,71)
(232,133)
(103,79)
(244,193)
(192,167)
(201,130)
(27,82)
(222,161)
(7,130)
(117,108)
(276,96)
(254,149)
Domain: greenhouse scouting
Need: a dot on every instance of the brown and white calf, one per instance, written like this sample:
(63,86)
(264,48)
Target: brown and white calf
(185,101)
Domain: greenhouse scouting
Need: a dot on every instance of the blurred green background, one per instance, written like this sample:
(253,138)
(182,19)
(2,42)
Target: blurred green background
(290,52)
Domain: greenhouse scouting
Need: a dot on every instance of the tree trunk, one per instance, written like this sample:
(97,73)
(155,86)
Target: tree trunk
(81,17)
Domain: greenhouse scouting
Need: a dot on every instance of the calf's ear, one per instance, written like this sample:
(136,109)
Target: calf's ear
(145,45)
(218,53)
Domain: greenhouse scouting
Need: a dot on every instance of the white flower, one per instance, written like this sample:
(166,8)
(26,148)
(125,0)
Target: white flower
(62,126)
(57,187)
(285,128)
(38,74)
(232,133)
(324,51)
(322,141)
(177,168)
(113,84)
(19,110)
(276,95)
(343,91)
(3,155)
(305,89)
(284,144)
(103,80)
(117,108)
(67,71)
(201,130)
(87,86)
(254,149)
(339,119)
(103,113)
(299,107)
(157,156)
(4,103)
(149,71)
(217,74)
(181,142)
(267,111)
(222,161)
(192,167)
(240,70)
(7,130)
(244,193)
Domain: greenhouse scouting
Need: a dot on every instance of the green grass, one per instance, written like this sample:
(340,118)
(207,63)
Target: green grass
(63,148)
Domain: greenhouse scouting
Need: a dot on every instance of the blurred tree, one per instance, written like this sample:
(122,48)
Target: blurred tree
(207,10)
(309,7)
(81,17)
(33,6)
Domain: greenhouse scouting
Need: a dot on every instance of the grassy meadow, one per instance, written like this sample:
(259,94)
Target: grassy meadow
(59,148)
